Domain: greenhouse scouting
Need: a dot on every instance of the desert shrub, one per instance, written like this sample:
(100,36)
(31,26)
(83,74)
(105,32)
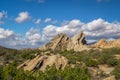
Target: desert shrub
(107,59)
(112,50)
(116,71)
(77,73)
(1,72)
(91,63)
(112,61)
(9,72)
(103,58)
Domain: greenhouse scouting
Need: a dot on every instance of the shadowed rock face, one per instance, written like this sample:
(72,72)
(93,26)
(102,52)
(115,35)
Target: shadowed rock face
(63,42)
(102,43)
(42,62)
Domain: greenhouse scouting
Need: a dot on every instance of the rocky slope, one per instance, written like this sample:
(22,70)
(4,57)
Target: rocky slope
(63,42)
(102,43)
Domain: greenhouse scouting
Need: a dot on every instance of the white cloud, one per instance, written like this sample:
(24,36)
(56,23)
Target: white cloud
(11,39)
(93,30)
(38,21)
(33,36)
(5,33)
(71,28)
(48,20)
(3,14)
(102,29)
(23,16)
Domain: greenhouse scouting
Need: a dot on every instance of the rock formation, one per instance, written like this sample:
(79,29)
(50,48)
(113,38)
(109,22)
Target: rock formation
(59,42)
(102,43)
(42,62)
(77,42)
(63,42)
(110,78)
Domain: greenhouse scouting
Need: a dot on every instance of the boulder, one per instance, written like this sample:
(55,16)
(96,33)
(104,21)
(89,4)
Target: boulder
(106,69)
(110,78)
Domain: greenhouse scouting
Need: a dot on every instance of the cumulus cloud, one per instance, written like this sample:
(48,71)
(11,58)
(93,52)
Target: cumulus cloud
(94,30)
(38,21)
(33,36)
(6,33)
(48,20)
(71,28)
(3,14)
(23,16)
(9,38)
(102,29)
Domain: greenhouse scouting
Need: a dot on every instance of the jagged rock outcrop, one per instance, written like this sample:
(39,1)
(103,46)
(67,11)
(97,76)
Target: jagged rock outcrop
(102,43)
(42,62)
(59,42)
(63,42)
(77,42)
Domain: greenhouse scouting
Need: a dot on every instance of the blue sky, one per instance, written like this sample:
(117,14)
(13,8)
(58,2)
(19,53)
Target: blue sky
(31,23)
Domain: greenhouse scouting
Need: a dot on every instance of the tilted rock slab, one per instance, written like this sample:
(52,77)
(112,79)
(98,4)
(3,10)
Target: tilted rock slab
(41,62)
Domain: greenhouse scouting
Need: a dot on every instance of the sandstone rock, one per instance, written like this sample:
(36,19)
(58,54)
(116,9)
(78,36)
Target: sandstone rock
(117,56)
(94,72)
(23,64)
(63,42)
(110,78)
(106,69)
(77,42)
(41,62)
(49,61)
(32,64)
(59,42)
(107,44)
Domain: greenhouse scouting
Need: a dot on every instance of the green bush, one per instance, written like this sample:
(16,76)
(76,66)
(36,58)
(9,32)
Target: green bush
(78,73)
(116,71)
(1,72)
(112,61)
(91,63)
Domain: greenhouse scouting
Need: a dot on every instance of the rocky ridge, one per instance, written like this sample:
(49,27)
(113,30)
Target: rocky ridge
(102,43)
